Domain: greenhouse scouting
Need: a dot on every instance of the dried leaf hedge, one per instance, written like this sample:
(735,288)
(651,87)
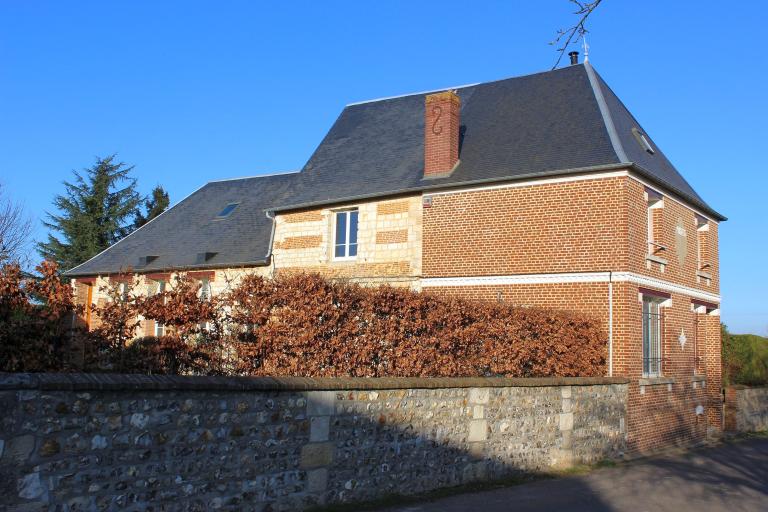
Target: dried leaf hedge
(303,325)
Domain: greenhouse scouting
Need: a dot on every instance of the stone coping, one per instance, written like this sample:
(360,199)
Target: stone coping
(107,382)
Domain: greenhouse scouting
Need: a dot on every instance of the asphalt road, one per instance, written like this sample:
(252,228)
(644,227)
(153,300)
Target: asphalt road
(730,477)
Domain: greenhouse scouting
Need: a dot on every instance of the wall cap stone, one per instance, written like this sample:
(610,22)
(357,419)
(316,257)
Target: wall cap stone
(116,382)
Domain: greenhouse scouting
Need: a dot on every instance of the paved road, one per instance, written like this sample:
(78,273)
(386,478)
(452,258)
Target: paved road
(732,477)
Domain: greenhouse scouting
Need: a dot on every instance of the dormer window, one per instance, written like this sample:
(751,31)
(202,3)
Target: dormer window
(227,211)
(641,139)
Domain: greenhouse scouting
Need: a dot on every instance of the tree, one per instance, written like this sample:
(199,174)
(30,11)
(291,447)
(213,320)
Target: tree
(92,214)
(575,33)
(15,229)
(154,205)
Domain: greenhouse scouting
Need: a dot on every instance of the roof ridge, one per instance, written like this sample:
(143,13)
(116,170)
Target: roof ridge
(405,95)
(606,113)
(277,173)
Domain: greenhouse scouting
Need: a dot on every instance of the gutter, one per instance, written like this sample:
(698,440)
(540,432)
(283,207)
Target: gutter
(458,184)
(507,179)
(241,264)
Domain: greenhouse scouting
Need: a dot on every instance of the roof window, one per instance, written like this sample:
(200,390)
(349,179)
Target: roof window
(643,141)
(227,211)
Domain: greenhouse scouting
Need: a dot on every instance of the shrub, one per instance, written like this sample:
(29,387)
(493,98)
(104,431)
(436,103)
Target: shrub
(297,325)
(745,359)
(35,318)
(303,325)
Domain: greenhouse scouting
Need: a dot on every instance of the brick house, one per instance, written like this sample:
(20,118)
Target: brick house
(536,190)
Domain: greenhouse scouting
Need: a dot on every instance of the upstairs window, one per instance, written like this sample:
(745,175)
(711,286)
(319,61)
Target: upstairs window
(655,205)
(345,235)
(702,244)
(205,288)
(123,291)
(159,328)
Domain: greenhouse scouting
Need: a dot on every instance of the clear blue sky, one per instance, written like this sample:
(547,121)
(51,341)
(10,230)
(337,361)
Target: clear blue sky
(193,91)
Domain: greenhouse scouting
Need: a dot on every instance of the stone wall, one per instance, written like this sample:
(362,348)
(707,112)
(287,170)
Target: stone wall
(81,442)
(746,409)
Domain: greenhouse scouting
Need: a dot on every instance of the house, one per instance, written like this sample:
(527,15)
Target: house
(536,190)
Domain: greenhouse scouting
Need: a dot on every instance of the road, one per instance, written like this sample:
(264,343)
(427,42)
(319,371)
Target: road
(729,477)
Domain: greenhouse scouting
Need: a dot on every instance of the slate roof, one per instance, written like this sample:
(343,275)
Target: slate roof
(551,123)
(191,227)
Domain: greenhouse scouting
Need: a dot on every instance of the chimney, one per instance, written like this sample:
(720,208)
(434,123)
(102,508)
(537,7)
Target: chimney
(441,133)
(574,57)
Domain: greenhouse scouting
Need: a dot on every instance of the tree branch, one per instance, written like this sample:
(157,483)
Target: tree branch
(577,30)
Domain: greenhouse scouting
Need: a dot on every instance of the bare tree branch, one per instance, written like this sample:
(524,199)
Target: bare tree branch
(15,229)
(577,31)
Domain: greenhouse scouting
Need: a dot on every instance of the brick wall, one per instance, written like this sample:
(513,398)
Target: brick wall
(589,226)
(553,227)
(672,215)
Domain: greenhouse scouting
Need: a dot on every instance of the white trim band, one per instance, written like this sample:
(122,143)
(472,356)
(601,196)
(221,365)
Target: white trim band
(573,277)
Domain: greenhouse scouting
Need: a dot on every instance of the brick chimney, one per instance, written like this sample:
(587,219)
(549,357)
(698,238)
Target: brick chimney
(441,133)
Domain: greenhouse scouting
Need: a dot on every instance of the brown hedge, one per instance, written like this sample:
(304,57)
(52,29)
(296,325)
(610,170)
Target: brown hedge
(303,325)
(298,325)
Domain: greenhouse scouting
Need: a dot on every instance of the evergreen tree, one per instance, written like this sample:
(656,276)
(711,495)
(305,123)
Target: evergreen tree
(92,213)
(156,204)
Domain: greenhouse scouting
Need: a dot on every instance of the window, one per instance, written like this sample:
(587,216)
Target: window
(643,141)
(655,203)
(160,328)
(205,288)
(651,336)
(702,255)
(123,291)
(345,239)
(227,211)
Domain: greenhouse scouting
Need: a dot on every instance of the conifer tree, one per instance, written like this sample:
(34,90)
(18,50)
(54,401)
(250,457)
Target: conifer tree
(92,213)
(154,205)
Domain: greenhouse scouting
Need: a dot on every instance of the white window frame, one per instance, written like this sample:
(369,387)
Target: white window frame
(205,288)
(702,226)
(346,256)
(652,356)
(123,291)
(159,328)
(654,201)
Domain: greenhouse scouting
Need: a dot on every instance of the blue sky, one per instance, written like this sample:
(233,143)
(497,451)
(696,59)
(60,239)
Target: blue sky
(193,91)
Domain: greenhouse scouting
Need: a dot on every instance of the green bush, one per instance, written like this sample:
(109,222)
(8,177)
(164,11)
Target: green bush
(745,359)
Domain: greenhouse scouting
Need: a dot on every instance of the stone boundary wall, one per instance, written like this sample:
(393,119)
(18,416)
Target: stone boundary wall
(133,442)
(746,409)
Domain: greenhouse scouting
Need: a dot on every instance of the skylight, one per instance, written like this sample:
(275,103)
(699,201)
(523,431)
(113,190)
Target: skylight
(227,211)
(643,141)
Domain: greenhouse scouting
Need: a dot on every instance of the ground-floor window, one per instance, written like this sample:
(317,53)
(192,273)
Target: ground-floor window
(651,336)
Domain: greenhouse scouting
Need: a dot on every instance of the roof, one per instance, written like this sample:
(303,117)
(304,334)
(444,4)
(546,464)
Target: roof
(192,227)
(557,122)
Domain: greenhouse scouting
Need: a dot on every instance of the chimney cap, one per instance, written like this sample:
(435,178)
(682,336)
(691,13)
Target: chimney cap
(574,55)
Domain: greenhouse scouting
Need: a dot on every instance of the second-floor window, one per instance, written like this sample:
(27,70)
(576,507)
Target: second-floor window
(345,234)
(655,205)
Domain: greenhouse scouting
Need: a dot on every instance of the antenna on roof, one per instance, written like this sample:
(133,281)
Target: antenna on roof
(586,48)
